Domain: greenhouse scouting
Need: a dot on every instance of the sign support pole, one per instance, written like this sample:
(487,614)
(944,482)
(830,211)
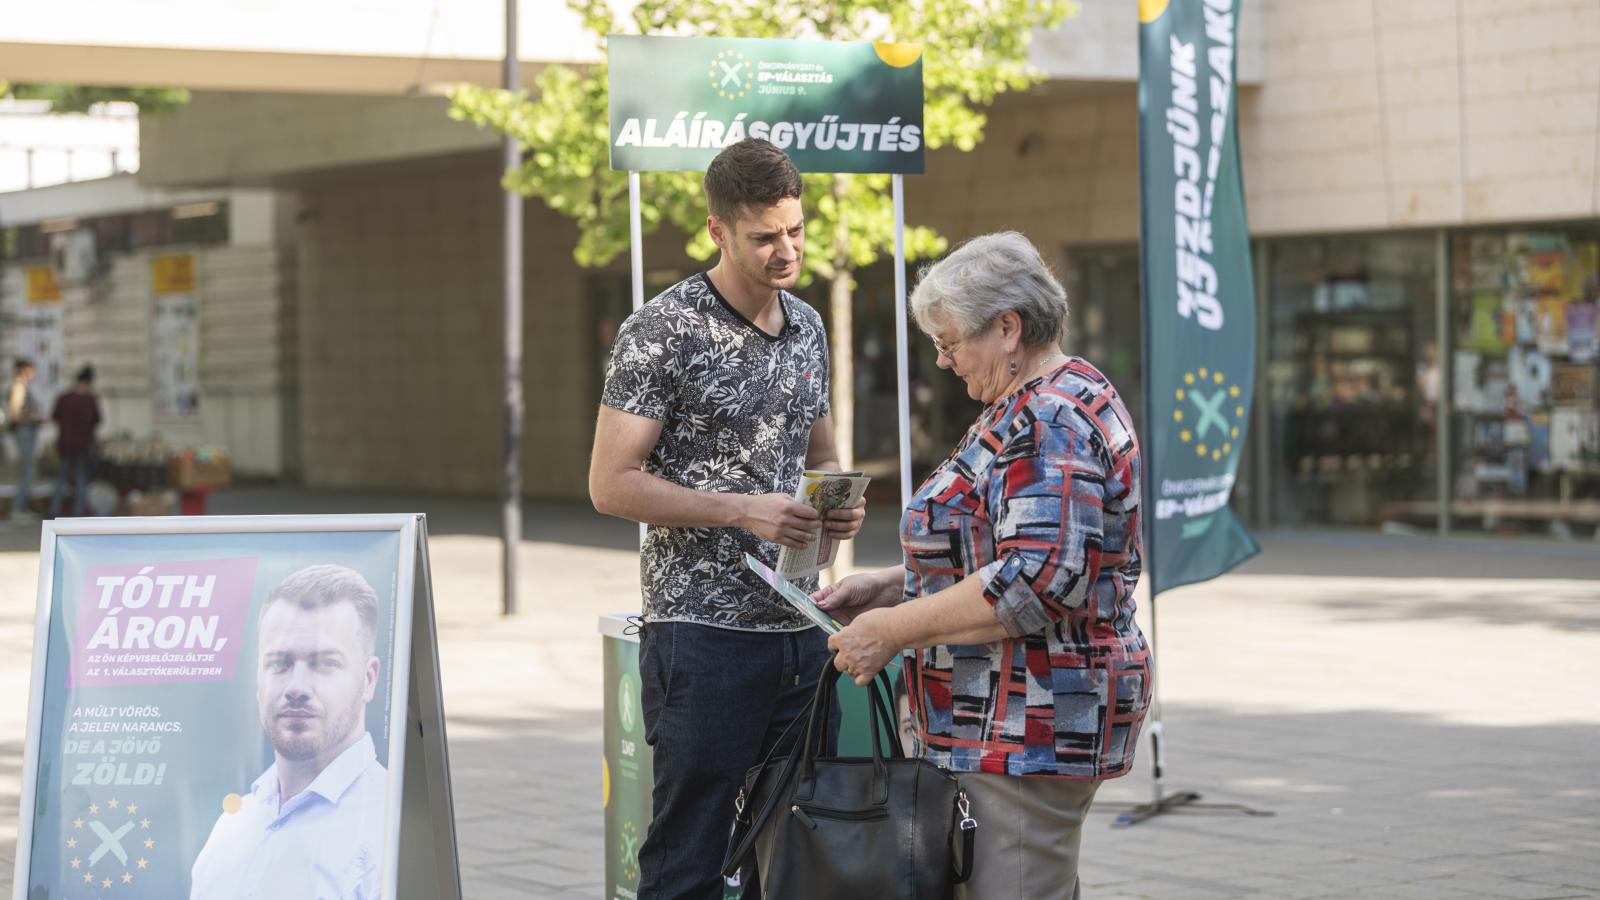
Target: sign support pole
(901,355)
(511,449)
(636,257)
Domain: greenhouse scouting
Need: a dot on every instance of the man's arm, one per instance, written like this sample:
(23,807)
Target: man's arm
(822,455)
(619,486)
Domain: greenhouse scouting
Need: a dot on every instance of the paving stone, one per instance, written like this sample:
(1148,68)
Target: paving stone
(1414,732)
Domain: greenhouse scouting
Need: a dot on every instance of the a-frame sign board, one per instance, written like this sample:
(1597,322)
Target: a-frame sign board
(236,706)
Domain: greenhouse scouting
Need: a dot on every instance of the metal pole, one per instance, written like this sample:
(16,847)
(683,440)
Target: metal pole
(1445,342)
(901,355)
(1261,438)
(511,499)
(1147,515)
(636,241)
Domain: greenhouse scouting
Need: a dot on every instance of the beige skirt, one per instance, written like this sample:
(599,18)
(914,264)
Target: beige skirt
(1029,830)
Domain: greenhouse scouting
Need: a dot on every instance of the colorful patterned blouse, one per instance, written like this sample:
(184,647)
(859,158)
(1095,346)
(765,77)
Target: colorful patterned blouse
(1041,498)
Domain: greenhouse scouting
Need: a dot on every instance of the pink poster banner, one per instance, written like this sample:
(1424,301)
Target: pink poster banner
(163,623)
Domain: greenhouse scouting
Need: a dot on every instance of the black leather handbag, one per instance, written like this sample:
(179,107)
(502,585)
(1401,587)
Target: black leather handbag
(840,828)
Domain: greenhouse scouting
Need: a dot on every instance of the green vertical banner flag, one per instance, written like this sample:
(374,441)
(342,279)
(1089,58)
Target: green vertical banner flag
(1198,290)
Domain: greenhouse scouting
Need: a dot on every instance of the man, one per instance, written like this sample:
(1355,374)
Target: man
(312,825)
(24,412)
(715,401)
(77,415)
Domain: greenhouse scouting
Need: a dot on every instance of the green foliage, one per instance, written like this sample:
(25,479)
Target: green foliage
(973,50)
(75,98)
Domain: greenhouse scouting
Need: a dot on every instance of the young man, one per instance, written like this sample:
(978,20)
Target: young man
(715,401)
(313,824)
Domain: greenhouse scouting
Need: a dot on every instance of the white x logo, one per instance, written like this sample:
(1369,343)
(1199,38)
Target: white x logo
(730,73)
(110,842)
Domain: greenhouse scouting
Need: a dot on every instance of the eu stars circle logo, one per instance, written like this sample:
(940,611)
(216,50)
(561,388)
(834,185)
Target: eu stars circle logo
(628,852)
(729,74)
(1208,410)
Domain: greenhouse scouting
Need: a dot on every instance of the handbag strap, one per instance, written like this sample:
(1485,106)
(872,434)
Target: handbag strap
(882,694)
(817,736)
(747,826)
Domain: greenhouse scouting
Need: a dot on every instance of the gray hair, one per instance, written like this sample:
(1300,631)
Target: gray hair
(986,276)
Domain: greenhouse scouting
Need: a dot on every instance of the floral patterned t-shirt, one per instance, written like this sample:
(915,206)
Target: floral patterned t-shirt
(736,407)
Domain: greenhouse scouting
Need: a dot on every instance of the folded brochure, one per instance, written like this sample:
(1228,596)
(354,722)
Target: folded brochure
(822,491)
(796,597)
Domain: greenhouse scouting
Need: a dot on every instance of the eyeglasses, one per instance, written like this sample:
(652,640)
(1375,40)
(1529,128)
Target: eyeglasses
(948,351)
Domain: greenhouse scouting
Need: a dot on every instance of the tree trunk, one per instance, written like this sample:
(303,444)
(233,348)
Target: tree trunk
(841,363)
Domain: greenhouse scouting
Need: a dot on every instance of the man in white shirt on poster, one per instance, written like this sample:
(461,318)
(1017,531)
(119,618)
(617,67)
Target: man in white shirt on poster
(312,826)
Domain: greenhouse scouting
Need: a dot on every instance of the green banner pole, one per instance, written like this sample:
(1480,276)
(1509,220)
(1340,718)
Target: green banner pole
(1198,302)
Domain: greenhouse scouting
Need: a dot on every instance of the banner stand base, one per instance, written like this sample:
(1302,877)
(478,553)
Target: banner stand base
(1134,813)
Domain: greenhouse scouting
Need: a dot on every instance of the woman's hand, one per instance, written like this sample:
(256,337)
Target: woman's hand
(850,597)
(866,645)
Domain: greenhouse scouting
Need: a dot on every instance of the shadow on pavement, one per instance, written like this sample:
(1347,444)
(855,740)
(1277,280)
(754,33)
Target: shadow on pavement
(1364,801)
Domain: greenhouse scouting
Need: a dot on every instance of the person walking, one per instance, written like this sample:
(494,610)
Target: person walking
(77,415)
(25,413)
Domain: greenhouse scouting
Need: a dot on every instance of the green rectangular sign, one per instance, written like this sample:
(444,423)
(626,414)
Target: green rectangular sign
(1199,295)
(832,106)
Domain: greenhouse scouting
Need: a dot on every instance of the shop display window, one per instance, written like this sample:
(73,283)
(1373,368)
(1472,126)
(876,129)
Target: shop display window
(1352,380)
(1525,410)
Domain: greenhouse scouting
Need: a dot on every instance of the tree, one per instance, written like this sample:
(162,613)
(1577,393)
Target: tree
(973,50)
(76,98)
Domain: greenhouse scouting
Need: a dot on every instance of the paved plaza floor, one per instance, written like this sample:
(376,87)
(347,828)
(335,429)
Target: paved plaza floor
(1421,717)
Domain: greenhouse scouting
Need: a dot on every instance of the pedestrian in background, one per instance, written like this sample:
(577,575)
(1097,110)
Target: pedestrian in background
(24,413)
(77,415)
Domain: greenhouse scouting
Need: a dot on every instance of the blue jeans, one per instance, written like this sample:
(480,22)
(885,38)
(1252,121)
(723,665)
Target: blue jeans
(715,701)
(75,468)
(26,435)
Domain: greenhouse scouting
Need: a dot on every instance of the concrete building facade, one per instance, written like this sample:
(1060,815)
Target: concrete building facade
(1401,161)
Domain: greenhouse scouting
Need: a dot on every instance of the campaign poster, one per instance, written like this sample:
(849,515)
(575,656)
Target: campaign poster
(216,714)
(174,339)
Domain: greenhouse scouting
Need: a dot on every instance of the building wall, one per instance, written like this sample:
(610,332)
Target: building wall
(1101,42)
(244,391)
(400,346)
(1062,167)
(226,138)
(1429,112)
(1367,117)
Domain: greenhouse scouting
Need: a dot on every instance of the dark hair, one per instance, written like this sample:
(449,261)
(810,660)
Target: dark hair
(750,173)
(22,363)
(86,375)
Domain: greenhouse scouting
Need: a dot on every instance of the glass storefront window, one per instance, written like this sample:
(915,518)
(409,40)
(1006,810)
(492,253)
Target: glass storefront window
(1103,289)
(1353,380)
(1526,378)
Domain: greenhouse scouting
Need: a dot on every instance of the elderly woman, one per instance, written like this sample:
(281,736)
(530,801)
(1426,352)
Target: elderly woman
(1021,556)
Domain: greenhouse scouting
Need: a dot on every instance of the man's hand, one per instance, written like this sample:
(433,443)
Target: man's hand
(779,518)
(850,597)
(844,523)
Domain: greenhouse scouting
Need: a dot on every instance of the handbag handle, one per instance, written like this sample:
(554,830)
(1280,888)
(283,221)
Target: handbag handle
(816,736)
(748,824)
(745,828)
